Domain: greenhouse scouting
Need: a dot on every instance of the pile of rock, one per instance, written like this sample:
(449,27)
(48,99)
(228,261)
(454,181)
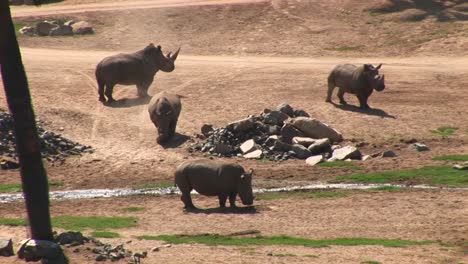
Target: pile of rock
(277,134)
(56,28)
(53,146)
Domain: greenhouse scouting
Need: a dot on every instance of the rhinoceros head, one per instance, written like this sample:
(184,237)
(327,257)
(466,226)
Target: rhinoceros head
(164,114)
(376,81)
(156,56)
(245,188)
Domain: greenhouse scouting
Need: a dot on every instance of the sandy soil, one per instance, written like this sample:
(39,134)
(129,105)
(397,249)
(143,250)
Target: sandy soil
(236,60)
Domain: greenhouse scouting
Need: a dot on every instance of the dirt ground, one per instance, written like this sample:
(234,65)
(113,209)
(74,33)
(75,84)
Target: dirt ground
(237,58)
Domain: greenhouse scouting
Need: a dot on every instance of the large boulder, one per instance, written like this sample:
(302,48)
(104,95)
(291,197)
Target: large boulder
(241,125)
(82,27)
(44,28)
(275,118)
(287,109)
(248,146)
(6,247)
(320,146)
(288,132)
(313,160)
(304,141)
(300,151)
(256,154)
(61,30)
(314,128)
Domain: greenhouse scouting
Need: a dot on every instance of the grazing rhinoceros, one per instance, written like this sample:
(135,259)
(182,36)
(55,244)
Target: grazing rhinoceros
(360,81)
(213,178)
(135,68)
(164,110)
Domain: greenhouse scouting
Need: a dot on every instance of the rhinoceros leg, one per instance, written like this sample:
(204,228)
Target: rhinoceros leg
(142,89)
(331,87)
(232,199)
(222,200)
(101,92)
(187,200)
(340,94)
(363,102)
(108,92)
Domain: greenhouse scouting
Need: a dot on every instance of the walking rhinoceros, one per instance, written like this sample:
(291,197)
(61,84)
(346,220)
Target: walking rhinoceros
(213,178)
(164,110)
(360,81)
(134,68)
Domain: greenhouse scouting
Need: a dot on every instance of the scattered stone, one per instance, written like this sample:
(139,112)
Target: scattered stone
(300,112)
(287,109)
(222,149)
(288,132)
(155,249)
(270,141)
(347,152)
(248,146)
(70,237)
(313,160)
(320,146)
(61,30)
(304,141)
(281,146)
(7,163)
(463,166)
(29,31)
(44,28)
(241,125)
(256,154)
(82,27)
(275,118)
(300,151)
(366,157)
(207,130)
(388,154)
(6,247)
(419,147)
(69,23)
(34,250)
(313,128)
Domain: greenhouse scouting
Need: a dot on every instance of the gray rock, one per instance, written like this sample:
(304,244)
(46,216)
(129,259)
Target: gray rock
(320,146)
(304,141)
(207,129)
(222,148)
(34,250)
(419,147)
(272,129)
(248,146)
(256,154)
(44,28)
(61,30)
(70,237)
(275,118)
(313,160)
(314,128)
(288,132)
(270,141)
(347,152)
(29,31)
(82,27)
(241,125)
(281,146)
(69,23)
(463,166)
(300,112)
(301,151)
(388,154)
(6,247)
(287,109)
(366,157)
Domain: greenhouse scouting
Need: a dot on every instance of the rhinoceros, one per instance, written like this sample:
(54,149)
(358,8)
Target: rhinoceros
(360,81)
(164,110)
(214,178)
(132,68)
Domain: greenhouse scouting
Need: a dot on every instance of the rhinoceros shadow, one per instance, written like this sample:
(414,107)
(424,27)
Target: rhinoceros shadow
(128,102)
(226,210)
(370,111)
(176,140)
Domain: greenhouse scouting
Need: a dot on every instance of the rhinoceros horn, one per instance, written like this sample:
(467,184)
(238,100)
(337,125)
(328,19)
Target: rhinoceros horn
(378,67)
(173,57)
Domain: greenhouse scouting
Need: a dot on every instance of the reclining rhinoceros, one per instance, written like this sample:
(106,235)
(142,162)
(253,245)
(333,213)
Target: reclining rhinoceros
(164,110)
(214,178)
(360,81)
(132,68)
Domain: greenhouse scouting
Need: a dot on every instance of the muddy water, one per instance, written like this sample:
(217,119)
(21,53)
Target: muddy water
(98,193)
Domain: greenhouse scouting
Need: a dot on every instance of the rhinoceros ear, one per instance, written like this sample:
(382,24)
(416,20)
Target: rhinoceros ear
(251,171)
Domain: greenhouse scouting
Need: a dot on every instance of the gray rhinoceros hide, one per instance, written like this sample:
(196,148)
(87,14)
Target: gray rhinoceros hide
(214,178)
(136,68)
(164,110)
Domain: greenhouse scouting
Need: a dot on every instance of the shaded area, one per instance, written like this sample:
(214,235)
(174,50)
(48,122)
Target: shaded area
(422,9)
(128,102)
(226,210)
(176,140)
(371,111)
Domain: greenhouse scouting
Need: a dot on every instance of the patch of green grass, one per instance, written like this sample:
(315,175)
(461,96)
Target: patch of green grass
(16,187)
(79,223)
(105,234)
(339,163)
(283,255)
(463,157)
(133,209)
(310,256)
(272,195)
(429,174)
(13,221)
(385,188)
(214,239)
(325,194)
(154,186)
(370,262)
(10,187)
(284,195)
(18,25)
(444,130)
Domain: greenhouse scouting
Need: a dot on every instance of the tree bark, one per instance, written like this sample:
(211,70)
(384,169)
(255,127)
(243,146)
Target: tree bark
(33,174)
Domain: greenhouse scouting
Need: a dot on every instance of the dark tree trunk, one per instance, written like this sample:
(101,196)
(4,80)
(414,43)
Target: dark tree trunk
(33,175)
